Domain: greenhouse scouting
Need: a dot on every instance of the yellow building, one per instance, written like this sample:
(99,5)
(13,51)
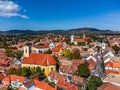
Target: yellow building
(45,61)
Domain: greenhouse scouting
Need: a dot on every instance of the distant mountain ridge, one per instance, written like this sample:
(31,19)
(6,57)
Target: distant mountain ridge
(70,31)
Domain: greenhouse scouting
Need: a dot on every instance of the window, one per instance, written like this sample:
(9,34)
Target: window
(26,51)
(43,69)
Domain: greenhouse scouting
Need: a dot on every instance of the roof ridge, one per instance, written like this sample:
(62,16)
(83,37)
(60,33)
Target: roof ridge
(47,60)
(45,86)
(43,59)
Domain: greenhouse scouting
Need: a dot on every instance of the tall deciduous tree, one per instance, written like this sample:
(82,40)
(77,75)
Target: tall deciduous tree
(83,70)
(67,53)
(116,49)
(93,83)
(9,53)
(18,55)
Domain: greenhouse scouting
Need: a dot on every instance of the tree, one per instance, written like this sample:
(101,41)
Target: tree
(76,54)
(67,54)
(116,49)
(39,73)
(13,71)
(9,88)
(9,53)
(4,43)
(81,43)
(83,70)
(93,83)
(18,55)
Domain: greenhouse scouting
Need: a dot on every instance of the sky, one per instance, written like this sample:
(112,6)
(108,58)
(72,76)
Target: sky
(59,14)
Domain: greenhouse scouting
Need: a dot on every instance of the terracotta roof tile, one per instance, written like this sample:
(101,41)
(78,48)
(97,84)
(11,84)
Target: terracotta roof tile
(56,76)
(43,85)
(14,78)
(41,59)
(112,71)
(2,76)
(80,40)
(108,86)
(41,46)
(113,64)
(29,83)
(68,86)
(78,79)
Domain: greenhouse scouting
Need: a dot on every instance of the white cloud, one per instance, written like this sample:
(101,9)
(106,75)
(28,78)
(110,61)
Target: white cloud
(10,9)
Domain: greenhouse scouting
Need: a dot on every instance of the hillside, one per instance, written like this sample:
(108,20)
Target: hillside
(70,31)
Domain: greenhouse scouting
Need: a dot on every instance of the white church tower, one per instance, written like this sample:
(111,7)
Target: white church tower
(72,38)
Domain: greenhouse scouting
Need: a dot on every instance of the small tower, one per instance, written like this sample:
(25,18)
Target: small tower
(72,38)
(83,36)
(103,45)
(27,49)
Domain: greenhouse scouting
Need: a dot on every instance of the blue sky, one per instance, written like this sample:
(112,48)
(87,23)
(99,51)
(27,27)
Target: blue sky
(59,14)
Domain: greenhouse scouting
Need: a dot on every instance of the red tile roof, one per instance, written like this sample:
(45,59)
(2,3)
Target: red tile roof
(68,86)
(41,46)
(2,76)
(112,71)
(29,83)
(108,86)
(113,64)
(56,49)
(80,40)
(78,79)
(43,85)
(14,78)
(40,59)
(56,76)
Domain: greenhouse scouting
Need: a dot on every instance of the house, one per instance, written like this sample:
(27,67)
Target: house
(29,85)
(112,66)
(77,40)
(77,79)
(40,48)
(36,85)
(112,78)
(102,45)
(108,52)
(2,54)
(2,75)
(70,67)
(63,85)
(114,41)
(56,77)
(14,80)
(56,51)
(108,86)
(40,85)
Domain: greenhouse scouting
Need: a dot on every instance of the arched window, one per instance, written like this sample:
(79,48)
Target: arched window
(51,69)
(26,51)
(43,70)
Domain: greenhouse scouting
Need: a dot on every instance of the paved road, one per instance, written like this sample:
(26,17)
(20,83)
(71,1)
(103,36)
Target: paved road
(98,70)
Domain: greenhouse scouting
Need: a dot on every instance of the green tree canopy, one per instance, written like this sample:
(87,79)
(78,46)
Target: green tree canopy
(83,70)
(9,53)
(67,54)
(76,54)
(18,55)
(116,49)
(93,83)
